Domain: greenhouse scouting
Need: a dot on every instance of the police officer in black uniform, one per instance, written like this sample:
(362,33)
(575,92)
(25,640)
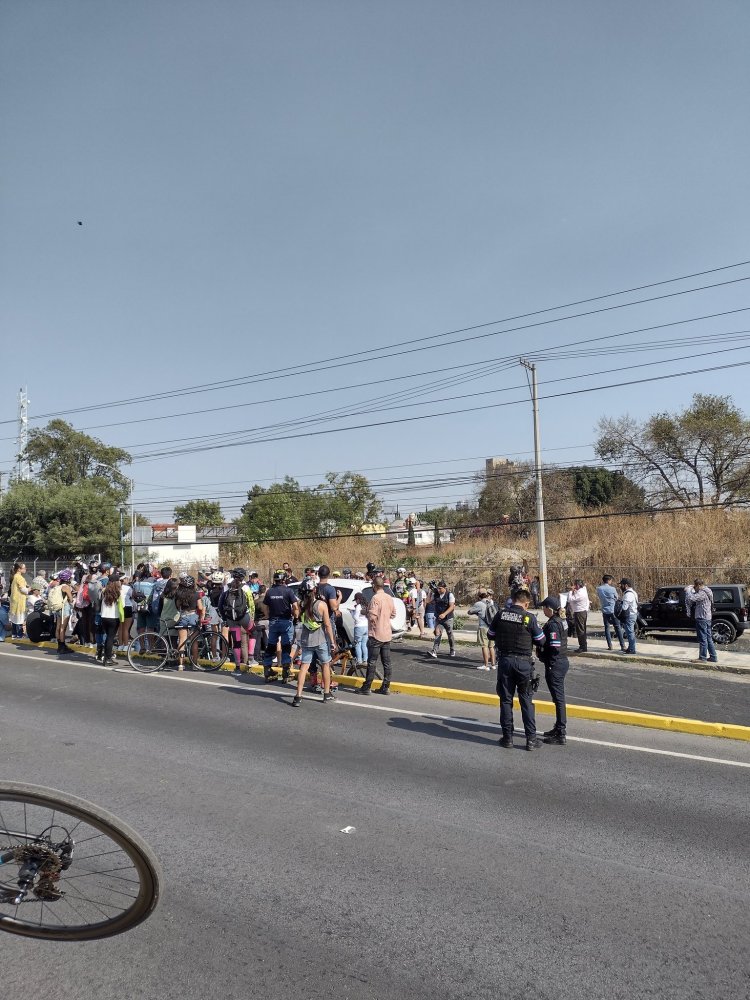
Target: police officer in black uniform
(515,631)
(554,656)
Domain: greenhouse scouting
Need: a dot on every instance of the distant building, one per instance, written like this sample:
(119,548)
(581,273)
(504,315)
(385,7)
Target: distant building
(494,465)
(181,545)
(424,534)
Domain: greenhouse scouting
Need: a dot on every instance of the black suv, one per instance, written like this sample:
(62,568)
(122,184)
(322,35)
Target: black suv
(667,612)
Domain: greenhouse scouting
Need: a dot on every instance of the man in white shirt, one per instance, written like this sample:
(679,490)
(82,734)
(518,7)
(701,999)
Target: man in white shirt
(629,612)
(579,604)
(418,596)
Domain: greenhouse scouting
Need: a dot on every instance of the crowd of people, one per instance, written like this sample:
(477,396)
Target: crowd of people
(105,609)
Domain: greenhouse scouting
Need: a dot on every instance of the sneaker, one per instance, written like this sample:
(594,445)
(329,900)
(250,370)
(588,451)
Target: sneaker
(111,662)
(506,742)
(555,739)
(482,667)
(364,690)
(550,732)
(384,689)
(328,697)
(453,653)
(433,654)
(296,701)
(270,676)
(533,744)
(253,663)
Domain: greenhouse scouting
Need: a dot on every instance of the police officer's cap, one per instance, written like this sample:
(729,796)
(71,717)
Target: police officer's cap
(553,603)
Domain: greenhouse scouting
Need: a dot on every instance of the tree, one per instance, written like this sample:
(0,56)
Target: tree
(53,520)
(351,501)
(201,513)
(343,503)
(62,456)
(698,456)
(271,513)
(599,487)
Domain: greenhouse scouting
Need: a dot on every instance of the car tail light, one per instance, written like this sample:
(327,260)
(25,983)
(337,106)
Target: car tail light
(743,614)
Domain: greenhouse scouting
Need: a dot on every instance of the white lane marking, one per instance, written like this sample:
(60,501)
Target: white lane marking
(160,675)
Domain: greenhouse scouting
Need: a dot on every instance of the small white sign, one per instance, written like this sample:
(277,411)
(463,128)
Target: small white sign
(185,534)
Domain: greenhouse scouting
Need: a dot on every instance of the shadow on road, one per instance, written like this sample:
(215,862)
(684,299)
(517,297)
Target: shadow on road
(441,729)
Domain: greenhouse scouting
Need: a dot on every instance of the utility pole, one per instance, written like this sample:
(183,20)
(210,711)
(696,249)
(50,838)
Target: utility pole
(540,533)
(122,538)
(22,441)
(132,530)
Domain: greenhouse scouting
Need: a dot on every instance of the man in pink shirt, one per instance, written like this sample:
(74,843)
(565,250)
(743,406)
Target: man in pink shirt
(380,611)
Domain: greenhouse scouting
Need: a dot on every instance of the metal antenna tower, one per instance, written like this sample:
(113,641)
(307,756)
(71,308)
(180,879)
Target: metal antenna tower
(24,466)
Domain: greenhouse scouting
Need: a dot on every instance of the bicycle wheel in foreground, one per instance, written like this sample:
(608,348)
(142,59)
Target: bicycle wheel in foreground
(148,652)
(208,651)
(70,871)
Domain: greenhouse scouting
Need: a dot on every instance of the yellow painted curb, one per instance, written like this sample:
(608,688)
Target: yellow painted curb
(673,724)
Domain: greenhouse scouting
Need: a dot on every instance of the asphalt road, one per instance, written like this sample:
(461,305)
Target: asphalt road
(616,683)
(596,871)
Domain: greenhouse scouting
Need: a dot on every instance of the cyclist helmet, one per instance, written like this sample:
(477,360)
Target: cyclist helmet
(64,576)
(239,573)
(188,580)
(308,586)
(279,576)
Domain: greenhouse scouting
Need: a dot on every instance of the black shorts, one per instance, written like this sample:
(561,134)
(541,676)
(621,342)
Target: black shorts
(128,613)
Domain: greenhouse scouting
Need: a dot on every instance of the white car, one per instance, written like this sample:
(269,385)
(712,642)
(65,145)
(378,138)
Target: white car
(347,589)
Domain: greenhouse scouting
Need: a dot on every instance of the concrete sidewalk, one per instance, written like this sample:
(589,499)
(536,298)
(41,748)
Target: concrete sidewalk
(682,653)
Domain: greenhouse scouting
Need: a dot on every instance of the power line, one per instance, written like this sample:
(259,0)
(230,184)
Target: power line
(360,357)
(379,408)
(445,413)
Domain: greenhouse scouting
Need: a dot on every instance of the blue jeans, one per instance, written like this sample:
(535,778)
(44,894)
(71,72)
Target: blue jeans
(609,619)
(706,648)
(360,644)
(629,627)
(279,628)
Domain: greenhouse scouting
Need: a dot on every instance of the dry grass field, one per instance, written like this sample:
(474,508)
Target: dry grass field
(651,549)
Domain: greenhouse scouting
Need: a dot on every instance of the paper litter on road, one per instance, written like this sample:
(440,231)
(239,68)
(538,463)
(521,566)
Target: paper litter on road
(348,829)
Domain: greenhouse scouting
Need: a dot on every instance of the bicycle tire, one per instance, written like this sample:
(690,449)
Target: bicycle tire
(87,815)
(208,651)
(155,659)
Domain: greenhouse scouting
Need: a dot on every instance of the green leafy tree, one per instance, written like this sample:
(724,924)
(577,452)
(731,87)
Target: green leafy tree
(350,501)
(697,456)
(600,487)
(62,456)
(52,520)
(201,513)
(273,512)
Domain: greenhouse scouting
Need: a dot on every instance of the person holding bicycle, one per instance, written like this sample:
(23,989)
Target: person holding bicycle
(316,639)
(189,608)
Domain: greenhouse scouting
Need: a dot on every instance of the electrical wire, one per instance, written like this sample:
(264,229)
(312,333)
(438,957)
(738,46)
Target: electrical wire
(361,357)
(149,456)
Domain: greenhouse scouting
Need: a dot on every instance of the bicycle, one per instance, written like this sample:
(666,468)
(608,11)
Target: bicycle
(70,871)
(152,651)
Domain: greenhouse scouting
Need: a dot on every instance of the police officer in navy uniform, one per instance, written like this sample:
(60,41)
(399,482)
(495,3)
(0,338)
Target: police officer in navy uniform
(515,631)
(554,656)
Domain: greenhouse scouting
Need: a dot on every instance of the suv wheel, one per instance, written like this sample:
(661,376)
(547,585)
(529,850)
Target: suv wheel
(723,632)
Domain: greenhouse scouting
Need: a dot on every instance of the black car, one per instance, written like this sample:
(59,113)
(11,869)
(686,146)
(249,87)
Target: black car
(667,612)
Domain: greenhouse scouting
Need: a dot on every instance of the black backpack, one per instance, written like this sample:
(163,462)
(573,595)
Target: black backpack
(234,608)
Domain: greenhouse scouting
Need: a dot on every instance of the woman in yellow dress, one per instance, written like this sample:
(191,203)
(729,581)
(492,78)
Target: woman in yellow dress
(19,591)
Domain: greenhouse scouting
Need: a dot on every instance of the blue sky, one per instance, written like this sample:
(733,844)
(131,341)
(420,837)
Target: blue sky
(264,185)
